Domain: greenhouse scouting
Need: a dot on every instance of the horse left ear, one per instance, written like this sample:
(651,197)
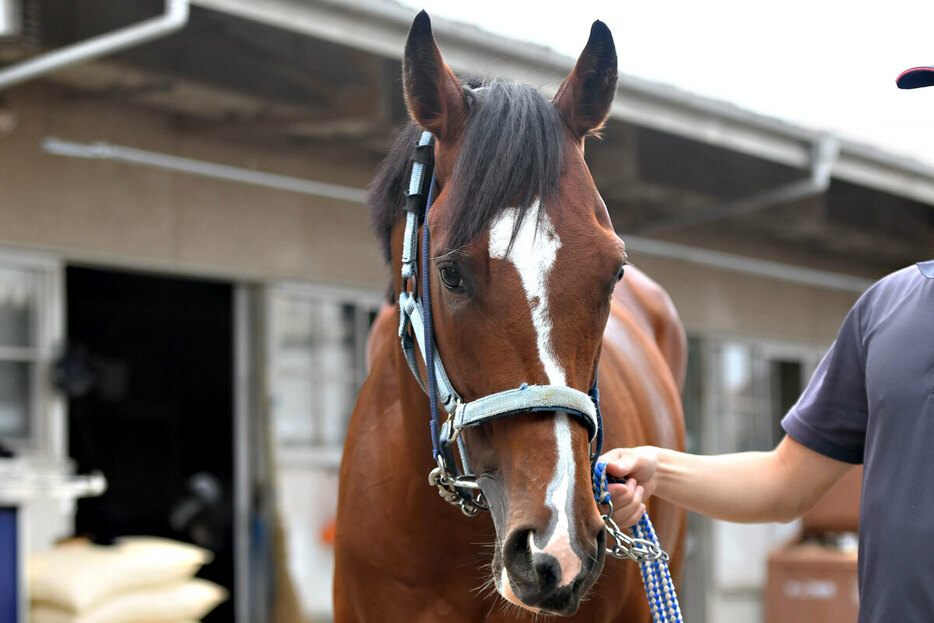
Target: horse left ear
(585,96)
(433,94)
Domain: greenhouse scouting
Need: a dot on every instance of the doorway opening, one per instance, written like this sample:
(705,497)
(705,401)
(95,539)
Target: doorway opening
(151,405)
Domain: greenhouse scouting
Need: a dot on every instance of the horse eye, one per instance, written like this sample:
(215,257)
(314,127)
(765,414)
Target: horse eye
(451,278)
(619,275)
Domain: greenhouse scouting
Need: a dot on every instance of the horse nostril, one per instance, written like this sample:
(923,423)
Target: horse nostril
(530,571)
(547,571)
(517,556)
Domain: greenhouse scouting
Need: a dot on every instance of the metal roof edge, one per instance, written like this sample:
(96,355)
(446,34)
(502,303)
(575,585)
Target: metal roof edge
(380,26)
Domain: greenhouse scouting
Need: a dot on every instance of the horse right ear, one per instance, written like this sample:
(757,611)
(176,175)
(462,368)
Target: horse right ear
(433,94)
(585,96)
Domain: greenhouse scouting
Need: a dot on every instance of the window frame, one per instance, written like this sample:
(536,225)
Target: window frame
(47,433)
(715,430)
(365,301)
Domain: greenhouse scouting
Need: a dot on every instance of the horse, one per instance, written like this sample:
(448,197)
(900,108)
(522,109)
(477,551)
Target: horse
(529,287)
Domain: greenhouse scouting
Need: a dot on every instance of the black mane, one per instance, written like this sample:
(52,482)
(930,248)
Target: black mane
(511,156)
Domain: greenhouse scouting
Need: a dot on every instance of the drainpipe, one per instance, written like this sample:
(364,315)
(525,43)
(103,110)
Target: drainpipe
(823,155)
(174,18)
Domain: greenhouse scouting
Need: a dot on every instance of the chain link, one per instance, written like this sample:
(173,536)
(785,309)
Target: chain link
(626,546)
(448,489)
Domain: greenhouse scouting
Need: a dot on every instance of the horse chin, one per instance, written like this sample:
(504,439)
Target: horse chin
(504,588)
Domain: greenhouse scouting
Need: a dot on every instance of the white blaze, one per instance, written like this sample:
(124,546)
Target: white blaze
(533,253)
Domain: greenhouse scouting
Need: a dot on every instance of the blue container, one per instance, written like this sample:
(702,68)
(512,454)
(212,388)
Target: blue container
(9,566)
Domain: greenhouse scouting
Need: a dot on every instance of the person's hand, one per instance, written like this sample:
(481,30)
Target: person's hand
(638,467)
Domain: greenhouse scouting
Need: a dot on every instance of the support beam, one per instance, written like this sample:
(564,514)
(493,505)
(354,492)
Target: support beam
(11,21)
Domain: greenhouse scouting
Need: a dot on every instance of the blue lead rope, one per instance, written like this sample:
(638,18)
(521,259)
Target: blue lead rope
(659,587)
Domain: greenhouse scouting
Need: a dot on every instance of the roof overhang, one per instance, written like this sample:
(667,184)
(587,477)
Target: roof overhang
(381,28)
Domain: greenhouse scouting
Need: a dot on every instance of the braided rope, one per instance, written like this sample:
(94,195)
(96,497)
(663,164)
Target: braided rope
(600,491)
(659,587)
(645,530)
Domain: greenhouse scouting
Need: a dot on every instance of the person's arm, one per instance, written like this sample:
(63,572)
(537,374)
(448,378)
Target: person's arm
(826,435)
(780,485)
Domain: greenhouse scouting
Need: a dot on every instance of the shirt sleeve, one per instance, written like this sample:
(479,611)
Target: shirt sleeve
(830,416)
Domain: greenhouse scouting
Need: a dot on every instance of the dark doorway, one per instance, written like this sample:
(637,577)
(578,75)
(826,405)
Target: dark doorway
(150,378)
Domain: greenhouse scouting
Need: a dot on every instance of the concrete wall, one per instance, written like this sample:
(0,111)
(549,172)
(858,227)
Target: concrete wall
(128,215)
(714,301)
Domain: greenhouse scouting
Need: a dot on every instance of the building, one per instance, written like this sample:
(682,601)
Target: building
(187,275)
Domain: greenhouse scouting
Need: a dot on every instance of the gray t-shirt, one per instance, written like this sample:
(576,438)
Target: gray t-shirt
(871,401)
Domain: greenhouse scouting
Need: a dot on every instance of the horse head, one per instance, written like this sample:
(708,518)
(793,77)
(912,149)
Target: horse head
(523,262)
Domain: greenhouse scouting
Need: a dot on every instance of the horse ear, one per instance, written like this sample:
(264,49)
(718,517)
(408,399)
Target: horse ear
(433,94)
(585,96)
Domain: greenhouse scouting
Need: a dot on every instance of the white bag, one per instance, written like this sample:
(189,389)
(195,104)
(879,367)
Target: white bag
(186,601)
(77,576)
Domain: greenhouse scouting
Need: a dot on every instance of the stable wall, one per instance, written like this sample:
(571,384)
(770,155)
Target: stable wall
(127,215)
(720,302)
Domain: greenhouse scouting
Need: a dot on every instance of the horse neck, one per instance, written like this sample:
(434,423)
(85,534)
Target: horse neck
(414,406)
(397,386)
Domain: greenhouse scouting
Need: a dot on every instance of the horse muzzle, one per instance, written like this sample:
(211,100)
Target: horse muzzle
(553,578)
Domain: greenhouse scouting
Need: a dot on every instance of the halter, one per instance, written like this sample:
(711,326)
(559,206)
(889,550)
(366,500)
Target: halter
(455,481)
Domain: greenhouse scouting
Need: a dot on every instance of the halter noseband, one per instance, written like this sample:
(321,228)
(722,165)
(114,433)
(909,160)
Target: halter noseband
(456,483)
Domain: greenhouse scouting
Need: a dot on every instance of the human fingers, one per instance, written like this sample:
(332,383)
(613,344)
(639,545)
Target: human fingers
(619,461)
(634,518)
(639,463)
(628,500)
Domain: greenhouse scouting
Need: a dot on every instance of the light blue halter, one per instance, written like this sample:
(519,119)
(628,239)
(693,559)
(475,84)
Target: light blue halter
(456,483)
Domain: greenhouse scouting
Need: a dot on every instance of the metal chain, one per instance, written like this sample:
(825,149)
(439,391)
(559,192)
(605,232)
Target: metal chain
(448,487)
(626,546)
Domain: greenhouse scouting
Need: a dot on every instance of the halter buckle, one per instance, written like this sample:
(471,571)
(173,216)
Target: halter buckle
(453,418)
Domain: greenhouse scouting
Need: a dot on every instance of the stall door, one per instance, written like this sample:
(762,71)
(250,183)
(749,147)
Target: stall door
(149,373)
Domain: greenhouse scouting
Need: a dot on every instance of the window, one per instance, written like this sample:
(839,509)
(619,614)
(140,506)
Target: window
(748,387)
(317,364)
(18,354)
(30,327)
